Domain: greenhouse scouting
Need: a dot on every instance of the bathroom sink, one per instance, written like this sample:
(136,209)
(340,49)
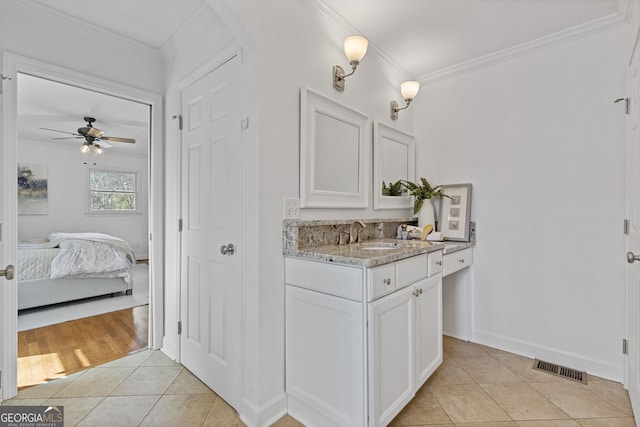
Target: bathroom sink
(378,246)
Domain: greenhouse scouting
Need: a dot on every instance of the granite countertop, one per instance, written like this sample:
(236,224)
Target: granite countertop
(450,247)
(373,252)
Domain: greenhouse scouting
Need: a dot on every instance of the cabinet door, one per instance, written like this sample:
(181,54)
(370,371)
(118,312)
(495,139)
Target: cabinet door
(391,352)
(325,358)
(428,327)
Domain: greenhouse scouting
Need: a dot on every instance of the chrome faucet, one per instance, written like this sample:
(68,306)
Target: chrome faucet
(354,236)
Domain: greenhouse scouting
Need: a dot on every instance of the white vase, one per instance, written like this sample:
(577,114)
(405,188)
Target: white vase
(426,214)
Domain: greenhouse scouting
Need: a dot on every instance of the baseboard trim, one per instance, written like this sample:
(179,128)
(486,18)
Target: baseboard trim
(265,414)
(523,348)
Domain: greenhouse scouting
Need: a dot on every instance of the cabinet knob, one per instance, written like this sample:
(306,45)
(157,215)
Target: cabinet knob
(439,262)
(461,260)
(387,281)
(415,294)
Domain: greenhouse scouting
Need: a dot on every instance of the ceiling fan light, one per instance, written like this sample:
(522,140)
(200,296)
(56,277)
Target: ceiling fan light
(97,149)
(86,148)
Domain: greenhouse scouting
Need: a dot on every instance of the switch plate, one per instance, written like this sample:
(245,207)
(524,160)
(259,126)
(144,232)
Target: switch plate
(291,209)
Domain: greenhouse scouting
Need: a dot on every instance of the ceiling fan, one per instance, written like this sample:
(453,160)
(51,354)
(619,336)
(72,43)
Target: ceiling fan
(93,137)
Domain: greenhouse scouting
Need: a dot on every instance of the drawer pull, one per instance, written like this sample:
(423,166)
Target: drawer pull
(387,281)
(461,260)
(439,262)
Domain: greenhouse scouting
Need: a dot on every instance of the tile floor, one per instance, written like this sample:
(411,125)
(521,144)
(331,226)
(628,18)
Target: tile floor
(475,386)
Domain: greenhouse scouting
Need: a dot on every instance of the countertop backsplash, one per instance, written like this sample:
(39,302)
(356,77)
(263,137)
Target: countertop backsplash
(301,234)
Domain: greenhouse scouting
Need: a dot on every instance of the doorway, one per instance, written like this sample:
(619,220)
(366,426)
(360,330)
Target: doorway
(210,283)
(74,183)
(13,65)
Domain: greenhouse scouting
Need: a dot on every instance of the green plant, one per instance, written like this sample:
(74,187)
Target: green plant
(394,189)
(422,191)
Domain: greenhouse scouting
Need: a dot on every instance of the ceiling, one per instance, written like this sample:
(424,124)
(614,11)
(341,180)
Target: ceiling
(46,104)
(420,37)
(426,36)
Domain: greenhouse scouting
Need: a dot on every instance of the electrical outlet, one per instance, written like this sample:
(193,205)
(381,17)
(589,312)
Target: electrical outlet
(291,209)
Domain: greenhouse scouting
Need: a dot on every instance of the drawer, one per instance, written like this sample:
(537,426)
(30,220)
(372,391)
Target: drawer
(410,270)
(457,261)
(339,280)
(381,281)
(435,262)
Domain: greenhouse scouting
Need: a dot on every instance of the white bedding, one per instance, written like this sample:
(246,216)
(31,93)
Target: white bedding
(35,263)
(75,255)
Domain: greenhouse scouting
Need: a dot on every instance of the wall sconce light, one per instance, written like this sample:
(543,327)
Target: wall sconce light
(355,48)
(409,90)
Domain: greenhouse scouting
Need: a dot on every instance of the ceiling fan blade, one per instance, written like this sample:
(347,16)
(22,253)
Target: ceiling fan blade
(95,132)
(116,139)
(61,131)
(70,137)
(104,144)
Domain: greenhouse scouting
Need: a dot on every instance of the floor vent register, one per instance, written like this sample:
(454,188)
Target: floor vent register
(561,371)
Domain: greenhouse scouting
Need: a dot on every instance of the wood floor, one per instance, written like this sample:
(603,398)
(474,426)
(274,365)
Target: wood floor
(57,350)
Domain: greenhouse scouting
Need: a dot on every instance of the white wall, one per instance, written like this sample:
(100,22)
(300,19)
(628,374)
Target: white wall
(543,144)
(286,47)
(47,39)
(68,195)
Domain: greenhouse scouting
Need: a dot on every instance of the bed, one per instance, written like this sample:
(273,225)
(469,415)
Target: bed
(73,266)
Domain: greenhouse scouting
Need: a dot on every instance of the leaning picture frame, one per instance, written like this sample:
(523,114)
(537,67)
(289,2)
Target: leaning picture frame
(455,212)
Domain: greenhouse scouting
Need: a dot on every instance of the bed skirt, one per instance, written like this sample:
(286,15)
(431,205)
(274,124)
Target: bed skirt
(40,292)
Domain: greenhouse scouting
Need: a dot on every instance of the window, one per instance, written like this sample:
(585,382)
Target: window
(112,191)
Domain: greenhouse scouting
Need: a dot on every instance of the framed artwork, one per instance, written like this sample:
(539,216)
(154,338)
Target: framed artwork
(32,190)
(455,212)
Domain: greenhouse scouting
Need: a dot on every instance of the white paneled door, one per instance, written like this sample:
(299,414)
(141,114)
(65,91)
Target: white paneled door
(210,306)
(633,236)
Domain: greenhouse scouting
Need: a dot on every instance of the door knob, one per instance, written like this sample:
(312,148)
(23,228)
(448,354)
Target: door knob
(227,249)
(631,257)
(7,272)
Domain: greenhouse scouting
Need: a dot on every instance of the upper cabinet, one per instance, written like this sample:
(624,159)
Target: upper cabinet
(393,160)
(335,154)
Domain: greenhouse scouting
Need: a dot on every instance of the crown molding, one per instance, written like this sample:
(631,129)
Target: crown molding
(587,29)
(75,24)
(201,18)
(614,20)
(625,8)
(322,10)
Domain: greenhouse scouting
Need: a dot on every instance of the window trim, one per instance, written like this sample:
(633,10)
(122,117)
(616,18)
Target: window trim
(136,193)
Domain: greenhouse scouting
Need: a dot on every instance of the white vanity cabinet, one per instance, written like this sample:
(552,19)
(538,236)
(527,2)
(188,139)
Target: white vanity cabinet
(360,341)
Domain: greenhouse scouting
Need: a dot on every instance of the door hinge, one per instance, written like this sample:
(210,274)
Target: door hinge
(180,225)
(150,236)
(627,104)
(2,78)
(179,117)
(625,346)
(626,227)
(179,327)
